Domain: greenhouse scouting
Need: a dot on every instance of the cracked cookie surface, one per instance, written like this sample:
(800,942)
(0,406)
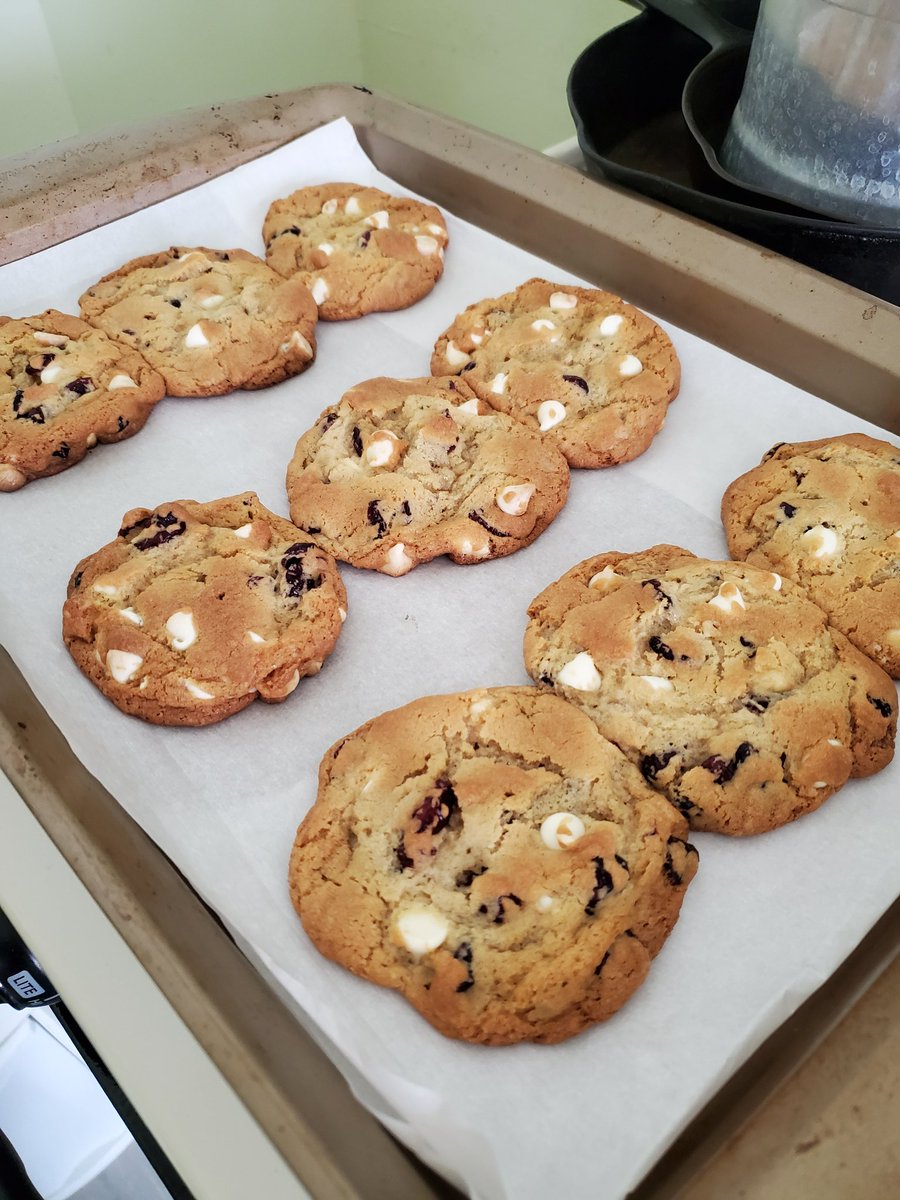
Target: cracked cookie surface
(827,514)
(592,373)
(196,609)
(64,387)
(209,321)
(493,858)
(722,682)
(358,249)
(403,470)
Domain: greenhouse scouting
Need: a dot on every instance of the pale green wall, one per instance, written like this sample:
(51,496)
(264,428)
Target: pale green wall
(92,64)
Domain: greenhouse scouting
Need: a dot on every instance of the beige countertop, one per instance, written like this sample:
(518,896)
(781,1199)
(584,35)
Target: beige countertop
(832,1131)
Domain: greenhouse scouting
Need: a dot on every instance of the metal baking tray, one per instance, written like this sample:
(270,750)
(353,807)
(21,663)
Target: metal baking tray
(827,338)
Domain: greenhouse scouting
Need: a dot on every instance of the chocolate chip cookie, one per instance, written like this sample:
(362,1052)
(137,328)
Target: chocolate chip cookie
(358,249)
(403,470)
(493,858)
(196,609)
(589,371)
(209,321)
(827,514)
(64,387)
(722,682)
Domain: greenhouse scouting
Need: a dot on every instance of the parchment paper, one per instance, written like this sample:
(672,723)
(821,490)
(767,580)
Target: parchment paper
(767,920)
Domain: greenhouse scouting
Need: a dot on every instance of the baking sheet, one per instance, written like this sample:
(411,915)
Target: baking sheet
(765,922)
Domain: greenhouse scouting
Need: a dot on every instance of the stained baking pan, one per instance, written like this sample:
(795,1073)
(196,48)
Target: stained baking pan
(757,305)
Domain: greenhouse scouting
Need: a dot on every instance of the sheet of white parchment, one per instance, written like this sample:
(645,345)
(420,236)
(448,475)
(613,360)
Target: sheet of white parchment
(766,921)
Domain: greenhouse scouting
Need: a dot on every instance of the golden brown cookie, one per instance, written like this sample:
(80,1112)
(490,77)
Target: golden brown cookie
(589,371)
(196,609)
(403,470)
(209,321)
(64,387)
(724,683)
(358,249)
(827,514)
(493,858)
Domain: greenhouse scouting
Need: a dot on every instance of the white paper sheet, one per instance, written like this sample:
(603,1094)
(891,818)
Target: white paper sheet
(766,921)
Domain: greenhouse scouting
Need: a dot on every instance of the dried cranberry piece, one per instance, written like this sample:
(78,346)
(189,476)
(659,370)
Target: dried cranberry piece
(882,705)
(63,451)
(603,886)
(35,372)
(364,239)
(464,878)
(675,877)
(329,421)
(660,594)
(547,679)
(165,519)
(142,524)
(787,509)
(501,907)
(253,580)
(356,438)
(723,770)
(76,582)
(686,807)
(622,863)
(463,954)
(17,400)
(756,704)
(80,386)
(602,963)
(295,577)
(578,381)
(799,476)
(652,764)
(405,862)
(35,415)
(434,812)
(476,516)
(468,367)
(660,649)
(768,454)
(175,303)
(405,509)
(122,424)
(161,536)
(374,517)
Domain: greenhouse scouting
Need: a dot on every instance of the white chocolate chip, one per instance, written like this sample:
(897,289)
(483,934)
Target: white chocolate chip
(106,589)
(329,207)
(515,498)
(425,244)
(296,340)
(893,636)
(498,384)
(397,561)
(470,406)
(244,531)
(776,582)
(834,742)
(352,206)
(91,440)
(630,365)
(51,372)
(466,547)
(477,707)
(550,413)
(380,219)
(11,478)
(563,300)
(436,230)
(326,248)
(181,628)
(657,682)
(120,381)
(422,930)
(382,449)
(544,903)
(130,615)
(728,598)
(320,290)
(122,665)
(820,783)
(342,613)
(291,684)
(561,829)
(581,674)
(820,541)
(195,338)
(542,323)
(611,324)
(255,637)
(196,690)
(49,339)
(455,357)
(603,579)
(211,301)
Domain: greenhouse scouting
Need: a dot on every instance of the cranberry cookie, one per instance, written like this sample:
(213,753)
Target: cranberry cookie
(494,859)
(827,514)
(196,609)
(209,321)
(64,387)
(403,470)
(357,248)
(592,373)
(724,683)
